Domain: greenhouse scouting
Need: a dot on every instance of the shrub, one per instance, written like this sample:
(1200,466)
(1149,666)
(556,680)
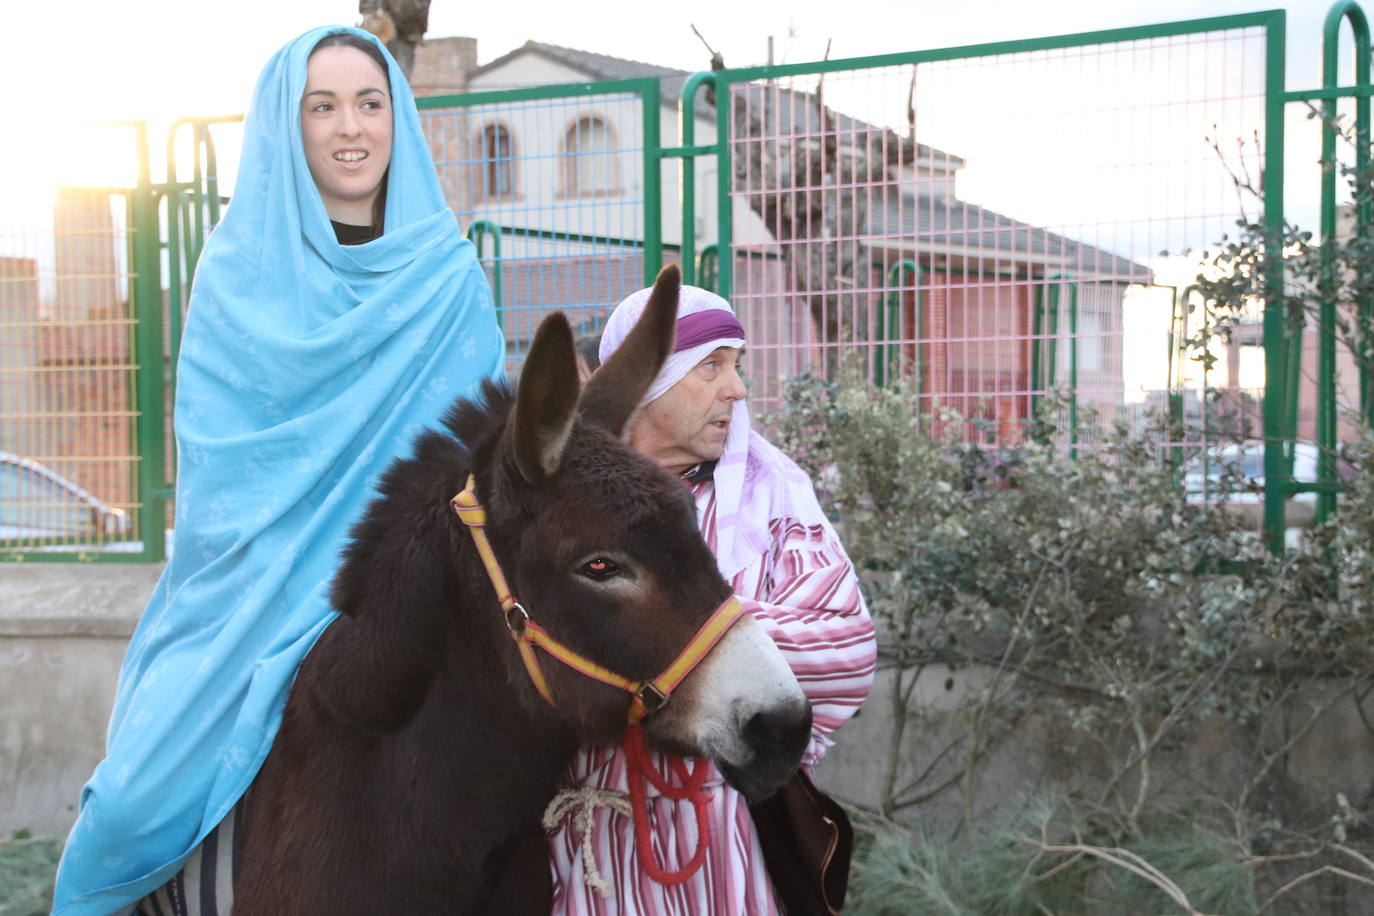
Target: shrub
(1101,619)
(27,867)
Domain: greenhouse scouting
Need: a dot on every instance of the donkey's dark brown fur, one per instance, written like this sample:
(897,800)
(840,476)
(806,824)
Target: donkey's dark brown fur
(415,757)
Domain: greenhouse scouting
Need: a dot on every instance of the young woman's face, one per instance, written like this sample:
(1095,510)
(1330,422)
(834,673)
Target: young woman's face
(346,126)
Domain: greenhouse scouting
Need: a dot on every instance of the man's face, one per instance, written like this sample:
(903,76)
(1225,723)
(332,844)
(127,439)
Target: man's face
(688,423)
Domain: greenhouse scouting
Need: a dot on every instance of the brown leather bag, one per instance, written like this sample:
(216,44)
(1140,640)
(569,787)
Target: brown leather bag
(807,841)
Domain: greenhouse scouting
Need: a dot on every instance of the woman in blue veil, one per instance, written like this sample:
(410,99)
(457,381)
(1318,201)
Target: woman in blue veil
(314,350)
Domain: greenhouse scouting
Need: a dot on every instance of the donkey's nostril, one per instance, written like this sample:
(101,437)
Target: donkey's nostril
(779,732)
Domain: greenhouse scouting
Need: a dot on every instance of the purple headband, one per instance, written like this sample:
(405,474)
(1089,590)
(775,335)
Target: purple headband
(711,324)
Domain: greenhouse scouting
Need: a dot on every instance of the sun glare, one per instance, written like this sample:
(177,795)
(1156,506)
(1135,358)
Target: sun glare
(74,154)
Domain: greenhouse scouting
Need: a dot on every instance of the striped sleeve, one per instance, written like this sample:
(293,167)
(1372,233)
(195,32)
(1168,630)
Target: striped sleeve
(806,596)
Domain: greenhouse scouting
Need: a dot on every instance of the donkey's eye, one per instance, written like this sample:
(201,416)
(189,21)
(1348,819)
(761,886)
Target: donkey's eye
(600,569)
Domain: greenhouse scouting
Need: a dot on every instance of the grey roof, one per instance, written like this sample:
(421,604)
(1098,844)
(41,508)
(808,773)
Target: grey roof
(598,66)
(934,220)
(605,67)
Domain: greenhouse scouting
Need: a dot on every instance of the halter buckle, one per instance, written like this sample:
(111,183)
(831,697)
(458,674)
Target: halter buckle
(517,627)
(652,698)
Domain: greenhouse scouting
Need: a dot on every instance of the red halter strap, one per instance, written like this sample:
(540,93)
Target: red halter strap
(647,697)
(689,786)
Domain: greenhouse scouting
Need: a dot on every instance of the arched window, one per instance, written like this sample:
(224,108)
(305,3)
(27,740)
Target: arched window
(590,167)
(496,162)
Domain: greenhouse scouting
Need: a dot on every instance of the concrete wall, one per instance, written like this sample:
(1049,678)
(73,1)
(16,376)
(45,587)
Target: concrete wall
(1044,755)
(63,629)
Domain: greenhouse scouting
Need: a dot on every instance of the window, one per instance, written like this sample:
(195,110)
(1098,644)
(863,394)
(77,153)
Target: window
(590,169)
(1092,329)
(496,162)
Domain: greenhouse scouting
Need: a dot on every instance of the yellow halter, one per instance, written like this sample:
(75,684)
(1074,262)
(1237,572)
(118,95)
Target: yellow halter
(647,697)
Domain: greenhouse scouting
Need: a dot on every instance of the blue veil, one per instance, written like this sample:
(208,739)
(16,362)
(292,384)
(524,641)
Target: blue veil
(306,367)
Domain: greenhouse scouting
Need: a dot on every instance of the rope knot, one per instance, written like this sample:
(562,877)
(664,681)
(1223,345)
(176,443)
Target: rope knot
(582,803)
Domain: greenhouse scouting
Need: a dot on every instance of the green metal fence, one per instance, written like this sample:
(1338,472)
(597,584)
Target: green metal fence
(854,173)
(983,220)
(561,190)
(81,470)
(850,168)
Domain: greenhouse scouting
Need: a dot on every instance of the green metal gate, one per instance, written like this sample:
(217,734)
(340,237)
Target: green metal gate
(560,189)
(986,310)
(981,220)
(81,438)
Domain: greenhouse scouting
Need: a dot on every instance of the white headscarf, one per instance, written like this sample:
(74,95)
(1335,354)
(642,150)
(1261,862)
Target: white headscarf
(691,300)
(754,481)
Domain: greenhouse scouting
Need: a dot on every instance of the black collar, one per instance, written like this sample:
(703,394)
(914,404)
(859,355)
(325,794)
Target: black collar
(700,473)
(353,235)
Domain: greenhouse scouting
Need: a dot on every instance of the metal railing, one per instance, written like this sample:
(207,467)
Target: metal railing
(981,220)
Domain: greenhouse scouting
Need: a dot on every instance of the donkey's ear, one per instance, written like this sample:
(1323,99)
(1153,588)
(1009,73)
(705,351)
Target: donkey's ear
(545,401)
(619,385)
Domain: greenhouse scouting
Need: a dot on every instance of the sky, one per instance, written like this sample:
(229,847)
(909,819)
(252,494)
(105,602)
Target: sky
(89,61)
(79,62)
(92,60)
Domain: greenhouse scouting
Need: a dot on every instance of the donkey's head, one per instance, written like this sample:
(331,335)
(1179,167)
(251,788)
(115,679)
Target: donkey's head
(600,545)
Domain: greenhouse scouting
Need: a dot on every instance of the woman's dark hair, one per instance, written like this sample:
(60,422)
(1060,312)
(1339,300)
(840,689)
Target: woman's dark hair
(358,43)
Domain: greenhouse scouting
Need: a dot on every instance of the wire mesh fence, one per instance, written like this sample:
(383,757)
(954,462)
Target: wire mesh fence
(552,190)
(993,227)
(1002,227)
(68,452)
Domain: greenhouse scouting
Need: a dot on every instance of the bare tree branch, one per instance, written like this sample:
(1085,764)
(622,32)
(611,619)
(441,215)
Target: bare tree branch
(398,24)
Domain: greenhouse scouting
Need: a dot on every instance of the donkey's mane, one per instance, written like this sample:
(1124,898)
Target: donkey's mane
(479,420)
(414,492)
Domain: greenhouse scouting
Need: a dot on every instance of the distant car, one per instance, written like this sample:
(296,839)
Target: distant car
(37,503)
(1236,473)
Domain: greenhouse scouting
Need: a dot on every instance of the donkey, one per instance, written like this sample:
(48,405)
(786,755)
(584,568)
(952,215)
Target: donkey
(417,751)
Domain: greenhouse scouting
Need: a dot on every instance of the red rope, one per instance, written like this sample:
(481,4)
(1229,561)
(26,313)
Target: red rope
(642,769)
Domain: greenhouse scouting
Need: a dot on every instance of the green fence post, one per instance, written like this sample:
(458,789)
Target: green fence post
(1277,429)
(653,182)
(1060,281)
(1037,347)
(708,267)
(889,321)
(725,216)
(1326,352)
(173,200)
(149,407)
(478,232)
(1073,368)
(1051,333)
(687,127)
(1173,377)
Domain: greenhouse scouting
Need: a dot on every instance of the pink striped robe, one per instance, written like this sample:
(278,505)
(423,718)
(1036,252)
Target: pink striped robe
(806,596)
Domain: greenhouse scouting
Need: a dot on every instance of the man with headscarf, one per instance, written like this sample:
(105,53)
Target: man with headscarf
(759,514)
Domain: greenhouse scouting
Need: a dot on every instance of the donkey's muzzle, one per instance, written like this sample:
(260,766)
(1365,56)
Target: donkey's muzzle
(776,738)
(779,735)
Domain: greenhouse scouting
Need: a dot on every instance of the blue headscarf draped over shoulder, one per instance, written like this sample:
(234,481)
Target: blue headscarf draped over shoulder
(306,367)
